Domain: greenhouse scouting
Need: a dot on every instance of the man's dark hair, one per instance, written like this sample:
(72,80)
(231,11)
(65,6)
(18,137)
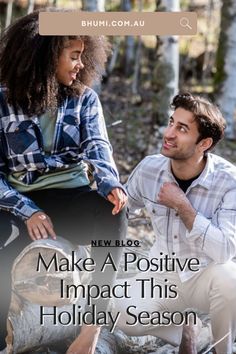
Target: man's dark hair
(210,122)
(28,63)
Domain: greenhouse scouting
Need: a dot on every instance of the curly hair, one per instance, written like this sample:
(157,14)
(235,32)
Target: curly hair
(28,63)
(210,122)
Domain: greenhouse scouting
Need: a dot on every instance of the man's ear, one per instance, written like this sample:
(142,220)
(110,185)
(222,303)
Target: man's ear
(205,144)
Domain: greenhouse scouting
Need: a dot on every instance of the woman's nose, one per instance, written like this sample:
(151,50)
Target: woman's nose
(79,65)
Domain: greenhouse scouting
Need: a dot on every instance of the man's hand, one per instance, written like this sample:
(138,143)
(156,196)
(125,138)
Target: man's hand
(39,226)
(118,198)
(173,197)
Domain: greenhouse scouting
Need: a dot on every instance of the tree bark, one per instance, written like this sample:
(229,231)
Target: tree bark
(226,61)
(171,50)
(30,6)
(9,13)
(129,43)
(166,71)
(93,5)
(26,334)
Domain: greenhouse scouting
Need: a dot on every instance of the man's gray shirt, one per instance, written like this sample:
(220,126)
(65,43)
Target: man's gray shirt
(212,195)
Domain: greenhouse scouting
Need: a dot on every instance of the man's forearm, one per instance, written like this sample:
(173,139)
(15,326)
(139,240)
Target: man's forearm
(187,213)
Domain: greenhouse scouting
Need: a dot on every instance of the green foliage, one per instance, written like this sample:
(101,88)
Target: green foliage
(184,4)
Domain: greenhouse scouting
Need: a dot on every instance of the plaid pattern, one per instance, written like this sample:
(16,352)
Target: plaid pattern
(80,134)
(212,194)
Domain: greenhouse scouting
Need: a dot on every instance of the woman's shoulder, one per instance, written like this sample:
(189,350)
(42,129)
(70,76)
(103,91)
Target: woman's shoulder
(88,97)
(4,107)
(3,92)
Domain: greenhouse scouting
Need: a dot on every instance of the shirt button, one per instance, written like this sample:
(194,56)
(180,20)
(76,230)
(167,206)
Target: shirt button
(175,236)
(176,214)
(154,211)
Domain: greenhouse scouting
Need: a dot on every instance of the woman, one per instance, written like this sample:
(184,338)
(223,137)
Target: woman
(52,133)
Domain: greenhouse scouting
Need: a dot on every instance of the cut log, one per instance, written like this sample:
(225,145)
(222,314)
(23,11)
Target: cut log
(153,345)
(31,289)
(26,334)
(43,287)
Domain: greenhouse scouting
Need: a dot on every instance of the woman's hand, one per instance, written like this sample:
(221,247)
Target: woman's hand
(118,198)
(39,226)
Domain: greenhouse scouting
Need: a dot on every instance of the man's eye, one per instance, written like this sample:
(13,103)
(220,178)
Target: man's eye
(182,129)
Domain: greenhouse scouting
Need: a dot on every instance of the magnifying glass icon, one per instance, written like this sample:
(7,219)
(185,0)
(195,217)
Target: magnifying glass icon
(184,22)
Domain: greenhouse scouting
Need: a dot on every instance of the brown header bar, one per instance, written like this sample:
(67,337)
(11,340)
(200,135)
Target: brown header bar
(117,23)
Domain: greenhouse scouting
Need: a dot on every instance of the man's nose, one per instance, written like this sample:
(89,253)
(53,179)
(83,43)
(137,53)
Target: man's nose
(170,132)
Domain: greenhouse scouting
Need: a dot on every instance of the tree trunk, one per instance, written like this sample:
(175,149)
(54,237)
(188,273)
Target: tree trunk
(166,71)
(93,5)
(135,82)
(30,6)
(225,78)
(138,55)
(53,3)
(9,13)
(171,50)
(129,43)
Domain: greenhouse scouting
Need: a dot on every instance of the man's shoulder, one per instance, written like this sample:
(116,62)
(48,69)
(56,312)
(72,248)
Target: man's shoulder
(223,167)
(221,163)
(155,163)
(155,158)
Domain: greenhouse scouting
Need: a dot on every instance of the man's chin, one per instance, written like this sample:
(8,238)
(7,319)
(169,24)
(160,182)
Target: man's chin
(165,152)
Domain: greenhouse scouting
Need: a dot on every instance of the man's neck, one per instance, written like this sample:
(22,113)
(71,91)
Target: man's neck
(186,170)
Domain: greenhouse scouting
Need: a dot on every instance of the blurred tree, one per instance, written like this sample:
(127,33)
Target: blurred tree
(225,78)
(137,64)
(129,43)
(93,5)
(30,6)
(53,3)
(171,49)
(166,71)
(9,13)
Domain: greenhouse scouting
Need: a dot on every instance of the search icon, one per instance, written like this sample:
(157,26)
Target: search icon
(184,22)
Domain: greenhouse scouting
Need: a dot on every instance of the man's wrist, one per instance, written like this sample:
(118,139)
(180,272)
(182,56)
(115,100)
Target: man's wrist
(181,205)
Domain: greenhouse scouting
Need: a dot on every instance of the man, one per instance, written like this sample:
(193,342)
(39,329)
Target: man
(190,196)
